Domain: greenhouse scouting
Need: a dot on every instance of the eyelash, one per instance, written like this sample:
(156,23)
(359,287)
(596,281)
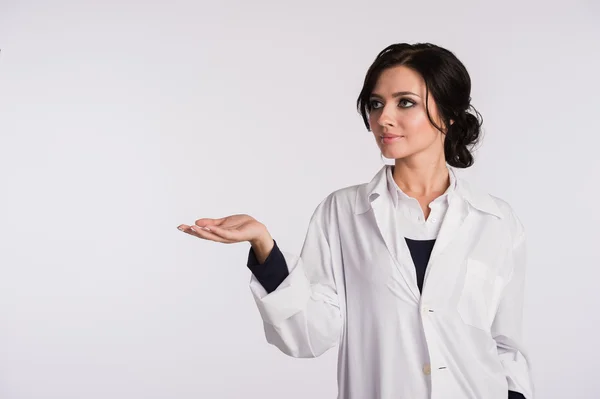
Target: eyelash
(402,99)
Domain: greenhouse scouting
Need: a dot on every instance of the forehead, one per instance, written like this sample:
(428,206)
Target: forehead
(399,78)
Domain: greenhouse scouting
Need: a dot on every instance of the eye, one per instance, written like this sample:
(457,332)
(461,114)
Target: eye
(372,104)
(402,103)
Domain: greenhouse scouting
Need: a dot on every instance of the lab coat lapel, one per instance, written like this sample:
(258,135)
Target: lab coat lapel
(376,196)
(461,215)
(449,251)
(456,215)
(386,220)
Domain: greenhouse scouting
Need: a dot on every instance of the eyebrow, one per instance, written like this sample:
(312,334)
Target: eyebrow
(397,94)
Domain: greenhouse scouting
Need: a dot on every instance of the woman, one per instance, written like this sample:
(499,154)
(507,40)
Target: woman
(417,275)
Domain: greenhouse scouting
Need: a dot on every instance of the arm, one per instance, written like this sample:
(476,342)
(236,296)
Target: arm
(507,325)
(273,270)
(299,305)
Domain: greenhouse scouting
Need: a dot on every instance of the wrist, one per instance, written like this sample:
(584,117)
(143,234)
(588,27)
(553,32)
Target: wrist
(262,247)
(262,241)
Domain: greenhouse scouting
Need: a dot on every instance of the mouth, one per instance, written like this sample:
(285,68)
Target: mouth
(390,138)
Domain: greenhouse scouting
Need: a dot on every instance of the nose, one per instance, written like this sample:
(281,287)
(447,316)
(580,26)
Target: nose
(386,118)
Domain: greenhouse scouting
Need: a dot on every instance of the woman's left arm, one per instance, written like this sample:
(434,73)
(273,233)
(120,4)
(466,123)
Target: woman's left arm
(508,321)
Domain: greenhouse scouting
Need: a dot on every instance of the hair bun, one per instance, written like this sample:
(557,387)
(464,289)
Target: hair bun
(462,135)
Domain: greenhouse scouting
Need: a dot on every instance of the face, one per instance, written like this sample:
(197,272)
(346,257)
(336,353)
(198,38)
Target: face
(399,121)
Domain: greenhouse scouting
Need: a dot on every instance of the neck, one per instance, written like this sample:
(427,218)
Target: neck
(421,179)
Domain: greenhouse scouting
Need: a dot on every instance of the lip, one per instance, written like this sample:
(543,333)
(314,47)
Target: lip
(390,138)
(390,135)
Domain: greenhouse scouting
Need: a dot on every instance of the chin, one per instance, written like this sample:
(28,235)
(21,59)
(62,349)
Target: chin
(391,154)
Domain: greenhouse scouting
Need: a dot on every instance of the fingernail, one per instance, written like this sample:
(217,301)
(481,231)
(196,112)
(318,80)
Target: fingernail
(180,228)
(206,228)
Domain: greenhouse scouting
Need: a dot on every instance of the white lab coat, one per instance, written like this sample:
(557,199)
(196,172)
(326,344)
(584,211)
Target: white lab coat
(354,285)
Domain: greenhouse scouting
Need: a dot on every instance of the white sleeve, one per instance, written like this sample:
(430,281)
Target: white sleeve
(508,321)
(302,316)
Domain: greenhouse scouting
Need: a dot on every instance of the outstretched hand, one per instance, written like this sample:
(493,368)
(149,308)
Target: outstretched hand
(228,230)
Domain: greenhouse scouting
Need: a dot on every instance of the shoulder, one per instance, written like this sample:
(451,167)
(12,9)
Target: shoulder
(341,199)
(511,219)
(496,205)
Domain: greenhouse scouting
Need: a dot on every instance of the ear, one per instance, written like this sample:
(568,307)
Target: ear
(451,121)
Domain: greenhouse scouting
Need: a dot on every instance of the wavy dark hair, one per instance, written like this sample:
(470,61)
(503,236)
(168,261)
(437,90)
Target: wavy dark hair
(450,85)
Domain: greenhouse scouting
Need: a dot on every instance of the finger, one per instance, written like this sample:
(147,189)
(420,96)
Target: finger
(189,230)
(208,222)
(208,235)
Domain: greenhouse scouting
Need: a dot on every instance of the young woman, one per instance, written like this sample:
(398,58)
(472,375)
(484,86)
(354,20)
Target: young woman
(417,275)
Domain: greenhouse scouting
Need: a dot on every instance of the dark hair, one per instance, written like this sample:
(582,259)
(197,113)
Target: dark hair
(450,85)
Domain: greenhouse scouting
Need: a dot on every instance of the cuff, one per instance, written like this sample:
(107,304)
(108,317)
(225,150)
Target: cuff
(272,272)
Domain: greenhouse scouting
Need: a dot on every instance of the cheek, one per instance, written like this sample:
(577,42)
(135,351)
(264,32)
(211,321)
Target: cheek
(373,122)
(416,122)
(419,129)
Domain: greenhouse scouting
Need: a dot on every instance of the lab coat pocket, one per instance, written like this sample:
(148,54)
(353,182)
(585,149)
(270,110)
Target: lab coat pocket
(475,301)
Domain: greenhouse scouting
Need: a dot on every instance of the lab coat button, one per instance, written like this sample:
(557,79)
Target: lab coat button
(427,369)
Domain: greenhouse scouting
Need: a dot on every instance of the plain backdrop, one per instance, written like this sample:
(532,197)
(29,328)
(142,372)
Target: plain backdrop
(120,120)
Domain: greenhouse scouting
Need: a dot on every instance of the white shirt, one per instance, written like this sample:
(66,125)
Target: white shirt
(409,215)
(354,285)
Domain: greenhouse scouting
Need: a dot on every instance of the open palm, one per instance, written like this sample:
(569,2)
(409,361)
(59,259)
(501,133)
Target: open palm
(228,230)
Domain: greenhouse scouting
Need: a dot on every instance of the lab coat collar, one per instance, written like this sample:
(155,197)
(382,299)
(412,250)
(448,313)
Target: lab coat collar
(399,195)
(377,187)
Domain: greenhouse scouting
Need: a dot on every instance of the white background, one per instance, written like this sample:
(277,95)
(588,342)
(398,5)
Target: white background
(120,120)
